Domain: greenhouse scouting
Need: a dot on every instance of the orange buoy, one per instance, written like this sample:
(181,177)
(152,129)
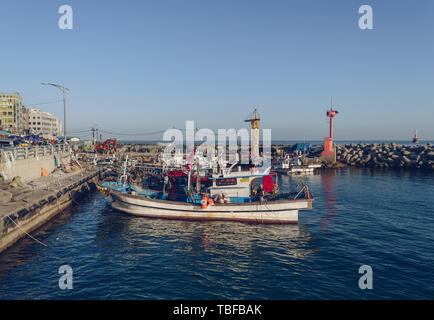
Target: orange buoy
(210,202)
(204,202)
(44,172)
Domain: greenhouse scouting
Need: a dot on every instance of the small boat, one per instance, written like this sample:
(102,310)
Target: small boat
(251,196)
(295,165)
(415,138)
(303,169)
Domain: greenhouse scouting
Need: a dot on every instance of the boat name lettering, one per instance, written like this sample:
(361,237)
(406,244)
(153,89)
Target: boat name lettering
(226,182)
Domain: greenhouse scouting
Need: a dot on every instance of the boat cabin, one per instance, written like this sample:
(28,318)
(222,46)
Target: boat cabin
(242,185)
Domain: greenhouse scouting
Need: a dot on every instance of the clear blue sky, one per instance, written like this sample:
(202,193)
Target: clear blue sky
(143,66)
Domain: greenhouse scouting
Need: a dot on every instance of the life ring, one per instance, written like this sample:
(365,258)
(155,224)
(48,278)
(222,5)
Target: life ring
(204,203)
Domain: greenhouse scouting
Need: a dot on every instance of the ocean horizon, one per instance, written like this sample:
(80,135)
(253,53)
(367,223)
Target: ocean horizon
(313,142)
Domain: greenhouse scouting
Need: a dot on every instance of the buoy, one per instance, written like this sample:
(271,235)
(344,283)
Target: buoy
(204,203)
(44,172)
(210,202)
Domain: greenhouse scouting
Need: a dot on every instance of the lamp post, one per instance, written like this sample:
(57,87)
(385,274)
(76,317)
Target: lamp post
(61,88)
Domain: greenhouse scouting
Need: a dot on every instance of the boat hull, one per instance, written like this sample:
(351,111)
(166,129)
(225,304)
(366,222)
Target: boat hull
(282,211)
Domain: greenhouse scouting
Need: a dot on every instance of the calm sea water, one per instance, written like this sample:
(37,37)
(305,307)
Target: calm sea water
(360,217)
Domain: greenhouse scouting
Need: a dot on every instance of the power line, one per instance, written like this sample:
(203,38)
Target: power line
(124,134)
(48,102)
(133,134)
(88,130)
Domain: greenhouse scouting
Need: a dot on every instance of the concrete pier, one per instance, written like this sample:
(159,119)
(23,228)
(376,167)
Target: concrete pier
(29,206)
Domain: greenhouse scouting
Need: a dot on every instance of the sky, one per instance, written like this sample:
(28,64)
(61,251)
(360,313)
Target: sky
(145,66)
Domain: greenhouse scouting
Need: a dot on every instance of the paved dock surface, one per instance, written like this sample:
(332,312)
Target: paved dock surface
(29,205)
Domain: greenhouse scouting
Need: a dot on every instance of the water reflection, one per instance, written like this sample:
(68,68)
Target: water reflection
(141,236)
(329,197)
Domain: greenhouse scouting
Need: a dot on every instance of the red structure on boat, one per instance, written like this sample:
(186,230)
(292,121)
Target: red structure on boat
(328,142)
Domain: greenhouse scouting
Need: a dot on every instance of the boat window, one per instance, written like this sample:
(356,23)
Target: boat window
(256,183)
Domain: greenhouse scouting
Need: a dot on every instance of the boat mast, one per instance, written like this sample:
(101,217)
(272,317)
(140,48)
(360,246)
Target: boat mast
(189,179)
(197,177)
(124,173)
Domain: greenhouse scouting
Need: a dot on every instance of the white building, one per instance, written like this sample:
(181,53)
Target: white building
(41,122)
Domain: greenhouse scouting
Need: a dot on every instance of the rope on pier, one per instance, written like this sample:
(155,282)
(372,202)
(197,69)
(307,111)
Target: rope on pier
(27,233)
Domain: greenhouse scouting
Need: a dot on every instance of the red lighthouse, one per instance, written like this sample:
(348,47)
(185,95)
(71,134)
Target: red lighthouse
(328,142)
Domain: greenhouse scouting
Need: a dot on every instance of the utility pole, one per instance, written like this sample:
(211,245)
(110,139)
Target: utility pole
(93,135)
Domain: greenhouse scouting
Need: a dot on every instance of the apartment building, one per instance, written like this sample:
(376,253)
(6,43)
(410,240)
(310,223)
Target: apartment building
(41,122)
(12,113)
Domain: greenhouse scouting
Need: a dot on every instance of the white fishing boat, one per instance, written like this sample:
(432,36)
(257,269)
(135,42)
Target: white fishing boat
(197,188)
(294,165)
(251,196)
(303,169)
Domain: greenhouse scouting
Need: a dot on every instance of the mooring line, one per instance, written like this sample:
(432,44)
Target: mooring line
(27,233)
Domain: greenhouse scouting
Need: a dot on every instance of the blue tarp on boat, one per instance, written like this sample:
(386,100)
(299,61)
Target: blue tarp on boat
(302,146)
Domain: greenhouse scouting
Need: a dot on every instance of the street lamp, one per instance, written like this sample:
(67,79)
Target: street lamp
(61,88)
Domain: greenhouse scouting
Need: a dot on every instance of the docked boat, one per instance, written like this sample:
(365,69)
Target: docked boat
(251,196)
(197,188)
(294,165)
(303,169)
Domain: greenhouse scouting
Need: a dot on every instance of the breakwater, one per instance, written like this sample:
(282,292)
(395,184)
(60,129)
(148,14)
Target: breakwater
(26,206)
(387,155)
